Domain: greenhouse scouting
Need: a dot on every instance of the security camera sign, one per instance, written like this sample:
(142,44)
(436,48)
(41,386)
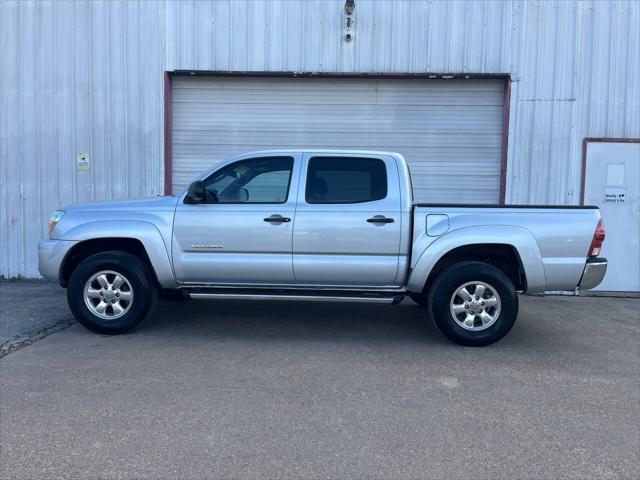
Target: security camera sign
(614,195)
(82,162)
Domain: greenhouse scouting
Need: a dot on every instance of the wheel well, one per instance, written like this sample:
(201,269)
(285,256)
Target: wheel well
(502,256)
(85,249)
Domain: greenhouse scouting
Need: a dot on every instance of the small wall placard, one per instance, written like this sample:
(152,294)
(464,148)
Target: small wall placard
(82,162)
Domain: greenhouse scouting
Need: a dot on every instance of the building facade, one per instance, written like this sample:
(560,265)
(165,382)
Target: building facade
(489,101)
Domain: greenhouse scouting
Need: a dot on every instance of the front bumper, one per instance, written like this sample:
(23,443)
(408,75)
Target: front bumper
(593,274)
(51,254)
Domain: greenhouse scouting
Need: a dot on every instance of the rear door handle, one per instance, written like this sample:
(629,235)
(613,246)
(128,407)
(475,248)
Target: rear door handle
(277,219)
(380,219)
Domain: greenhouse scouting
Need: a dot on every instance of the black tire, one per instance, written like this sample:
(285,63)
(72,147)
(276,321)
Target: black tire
(420,298)
(450,280)
(137,273)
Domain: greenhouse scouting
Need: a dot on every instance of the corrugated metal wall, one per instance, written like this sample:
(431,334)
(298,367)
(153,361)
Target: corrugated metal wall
(75,77)
(88,77)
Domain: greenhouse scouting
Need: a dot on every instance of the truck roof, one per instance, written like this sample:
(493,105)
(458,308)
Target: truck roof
(341,151)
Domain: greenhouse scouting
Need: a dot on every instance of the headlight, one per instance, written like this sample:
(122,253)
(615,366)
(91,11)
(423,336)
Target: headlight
(55,218)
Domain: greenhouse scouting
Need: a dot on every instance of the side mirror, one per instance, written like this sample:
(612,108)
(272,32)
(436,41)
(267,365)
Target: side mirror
(195,193)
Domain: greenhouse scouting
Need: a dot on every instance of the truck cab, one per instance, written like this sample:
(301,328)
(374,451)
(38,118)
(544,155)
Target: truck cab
(317,219)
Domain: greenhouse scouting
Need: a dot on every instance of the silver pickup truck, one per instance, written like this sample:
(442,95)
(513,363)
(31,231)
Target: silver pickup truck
(319,225)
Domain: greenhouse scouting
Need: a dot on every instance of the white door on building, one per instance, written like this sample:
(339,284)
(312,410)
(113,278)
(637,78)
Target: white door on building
(612,181)
(450,131)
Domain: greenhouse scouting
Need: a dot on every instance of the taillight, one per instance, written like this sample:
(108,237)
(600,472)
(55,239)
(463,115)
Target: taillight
(598,238)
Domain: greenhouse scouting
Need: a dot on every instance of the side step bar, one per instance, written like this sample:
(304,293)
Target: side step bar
(391,299)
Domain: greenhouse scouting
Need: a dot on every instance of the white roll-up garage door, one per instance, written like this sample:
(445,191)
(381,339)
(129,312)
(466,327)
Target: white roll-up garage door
(449,131)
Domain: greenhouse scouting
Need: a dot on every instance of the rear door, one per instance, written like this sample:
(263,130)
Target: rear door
(243,233)
(612,183)
(348,221)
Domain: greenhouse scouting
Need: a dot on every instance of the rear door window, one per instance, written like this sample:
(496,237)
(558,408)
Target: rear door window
(345,180)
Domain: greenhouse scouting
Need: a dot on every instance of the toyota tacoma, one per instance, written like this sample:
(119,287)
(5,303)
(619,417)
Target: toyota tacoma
(318,225)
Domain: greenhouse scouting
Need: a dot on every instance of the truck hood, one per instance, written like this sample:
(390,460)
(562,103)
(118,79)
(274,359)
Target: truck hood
(145,204)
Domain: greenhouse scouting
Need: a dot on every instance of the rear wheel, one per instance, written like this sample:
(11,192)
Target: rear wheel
(473,303)
(111,292)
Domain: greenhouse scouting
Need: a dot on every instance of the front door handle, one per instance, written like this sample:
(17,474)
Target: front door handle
(380,219)
(277,219)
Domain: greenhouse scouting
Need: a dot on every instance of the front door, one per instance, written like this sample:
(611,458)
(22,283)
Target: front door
(612,177)
(348,221)
(242,234)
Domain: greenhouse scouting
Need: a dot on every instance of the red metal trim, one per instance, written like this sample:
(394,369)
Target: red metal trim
(505,139)
(391,75)
(585,143)
(611,140)
(584,169)
(168,135)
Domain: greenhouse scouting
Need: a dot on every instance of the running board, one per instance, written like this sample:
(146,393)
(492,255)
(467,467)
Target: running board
(298,296)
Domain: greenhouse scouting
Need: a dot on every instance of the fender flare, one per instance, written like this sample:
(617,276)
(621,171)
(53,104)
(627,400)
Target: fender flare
(517,237)
(147,233)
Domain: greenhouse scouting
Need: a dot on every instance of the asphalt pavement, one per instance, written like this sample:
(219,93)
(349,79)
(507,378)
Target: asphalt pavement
(231,389)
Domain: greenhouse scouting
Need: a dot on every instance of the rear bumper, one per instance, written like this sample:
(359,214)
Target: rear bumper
(593,273)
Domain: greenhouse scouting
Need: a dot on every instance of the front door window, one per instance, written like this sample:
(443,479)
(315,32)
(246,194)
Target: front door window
(258,180)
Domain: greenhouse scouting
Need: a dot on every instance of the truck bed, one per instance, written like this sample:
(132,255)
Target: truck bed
(556,237)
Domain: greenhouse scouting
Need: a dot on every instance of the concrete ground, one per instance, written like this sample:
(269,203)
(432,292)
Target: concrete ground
(30,310)
(296,390)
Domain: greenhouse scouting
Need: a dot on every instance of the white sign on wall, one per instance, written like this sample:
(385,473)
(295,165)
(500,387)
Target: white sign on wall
(82,162)
(614,194)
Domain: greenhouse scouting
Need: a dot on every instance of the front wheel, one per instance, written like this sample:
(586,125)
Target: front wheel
(473,303)
(111,292)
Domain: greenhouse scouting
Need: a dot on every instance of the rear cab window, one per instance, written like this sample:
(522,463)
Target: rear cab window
(338,180)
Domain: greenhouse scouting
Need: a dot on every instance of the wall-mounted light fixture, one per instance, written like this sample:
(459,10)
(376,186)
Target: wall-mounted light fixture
(349,7)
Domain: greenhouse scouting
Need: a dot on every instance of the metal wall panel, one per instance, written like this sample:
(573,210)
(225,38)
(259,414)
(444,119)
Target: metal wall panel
(75,77)
(87,77)
(448,130)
